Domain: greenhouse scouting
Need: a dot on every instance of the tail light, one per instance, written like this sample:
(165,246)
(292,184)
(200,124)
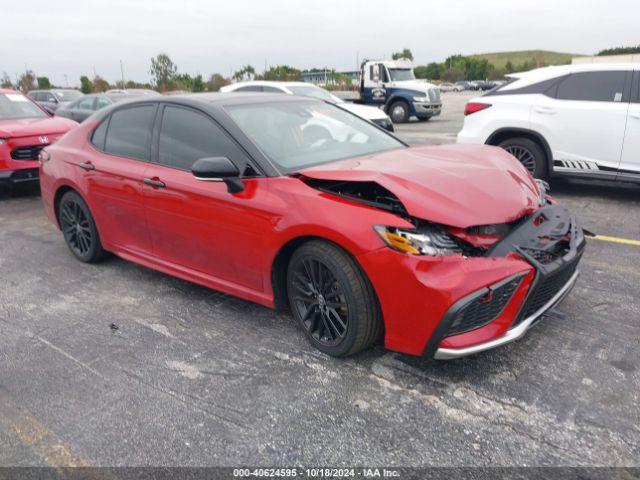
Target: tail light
(473,107)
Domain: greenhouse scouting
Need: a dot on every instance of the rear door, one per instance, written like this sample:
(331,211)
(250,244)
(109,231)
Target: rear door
(630,161)
(583,120)
(199,224)
(113,173)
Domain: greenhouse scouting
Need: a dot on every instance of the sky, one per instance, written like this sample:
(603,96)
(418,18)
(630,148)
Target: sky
(69,38)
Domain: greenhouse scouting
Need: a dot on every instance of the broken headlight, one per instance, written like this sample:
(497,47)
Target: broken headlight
(428,240)
(543,188)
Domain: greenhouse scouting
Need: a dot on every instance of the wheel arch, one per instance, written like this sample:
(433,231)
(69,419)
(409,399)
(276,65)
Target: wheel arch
(280,263)
(502,134)
(57,197)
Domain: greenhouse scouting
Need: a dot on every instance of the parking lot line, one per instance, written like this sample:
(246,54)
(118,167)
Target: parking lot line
(37,437)
(625,241)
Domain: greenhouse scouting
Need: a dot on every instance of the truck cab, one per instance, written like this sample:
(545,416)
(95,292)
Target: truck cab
(393,86)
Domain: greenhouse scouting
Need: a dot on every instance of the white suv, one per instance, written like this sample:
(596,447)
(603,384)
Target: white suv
(303,89)
(576,120)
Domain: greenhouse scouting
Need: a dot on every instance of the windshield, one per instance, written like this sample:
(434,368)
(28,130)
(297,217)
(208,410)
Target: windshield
(296,135)
(314,92)
(401,74)
(16,105)
(67,95)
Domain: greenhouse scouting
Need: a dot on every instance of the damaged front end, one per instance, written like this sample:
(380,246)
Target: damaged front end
(548,239)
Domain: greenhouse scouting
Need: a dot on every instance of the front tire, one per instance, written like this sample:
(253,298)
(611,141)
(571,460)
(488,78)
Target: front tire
(332,299)
(399,112)
(528,153)
(79,229)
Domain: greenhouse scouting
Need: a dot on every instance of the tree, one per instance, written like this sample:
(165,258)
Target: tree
(85,84)
(216,81)
(27,81)
(282,73)
(197,85)
(433,71)
(5,81)
(453,74)
(100,84)
(620,51)
(163,71)
(405,54)
(245,73)
(43,83)
(508,67)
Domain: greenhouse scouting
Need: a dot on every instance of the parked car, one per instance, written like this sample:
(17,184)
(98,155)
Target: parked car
(571,120)
(467,85)
(86,106)
(442,251)
(132,91)
(54,98)
(302,89)
(25,128)
(450,87)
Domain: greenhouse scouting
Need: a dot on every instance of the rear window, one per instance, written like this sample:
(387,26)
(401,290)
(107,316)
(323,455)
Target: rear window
(129,132)
(16,105)
(594,87)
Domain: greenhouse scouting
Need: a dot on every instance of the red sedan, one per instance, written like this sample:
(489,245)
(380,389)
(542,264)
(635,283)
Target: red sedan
(295,203)
(25,128)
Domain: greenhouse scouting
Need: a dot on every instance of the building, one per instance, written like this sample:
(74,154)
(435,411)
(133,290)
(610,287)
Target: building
(633,58)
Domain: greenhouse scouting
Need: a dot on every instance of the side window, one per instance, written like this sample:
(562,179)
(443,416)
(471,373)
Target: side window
(130,131)
(250,88)
(271,89)
(86,103)
(594,87)
(384,76)
(99,134)
(101,103)
(49,97)
(186,136)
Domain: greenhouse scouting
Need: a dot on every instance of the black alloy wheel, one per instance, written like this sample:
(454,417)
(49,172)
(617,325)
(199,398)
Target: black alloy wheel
(79,229)
(332,299)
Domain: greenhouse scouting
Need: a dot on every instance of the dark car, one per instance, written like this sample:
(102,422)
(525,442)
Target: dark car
(87,105)
(54,98)
(440,251)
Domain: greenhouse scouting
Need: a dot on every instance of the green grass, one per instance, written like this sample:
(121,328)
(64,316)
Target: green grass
(499,59)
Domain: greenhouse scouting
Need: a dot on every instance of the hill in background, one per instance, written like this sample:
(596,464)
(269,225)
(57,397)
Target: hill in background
(542,57)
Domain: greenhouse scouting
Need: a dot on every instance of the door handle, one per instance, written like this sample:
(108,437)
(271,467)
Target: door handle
(154,182)
(545,110)
(87,166)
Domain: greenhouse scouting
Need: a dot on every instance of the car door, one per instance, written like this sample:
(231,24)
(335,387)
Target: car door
(583,119)
(199,225)
(113,172)
(630,160)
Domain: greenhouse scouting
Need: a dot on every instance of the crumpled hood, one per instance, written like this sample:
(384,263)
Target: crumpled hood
(28,127)
(455,185)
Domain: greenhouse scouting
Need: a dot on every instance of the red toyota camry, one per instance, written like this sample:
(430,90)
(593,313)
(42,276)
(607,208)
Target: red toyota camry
(295,203)
(25,128)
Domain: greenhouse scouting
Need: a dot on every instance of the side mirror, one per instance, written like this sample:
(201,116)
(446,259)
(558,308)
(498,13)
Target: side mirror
(218,169)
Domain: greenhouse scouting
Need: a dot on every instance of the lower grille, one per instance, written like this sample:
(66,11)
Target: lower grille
(27,153)
(483,310)
(547,288)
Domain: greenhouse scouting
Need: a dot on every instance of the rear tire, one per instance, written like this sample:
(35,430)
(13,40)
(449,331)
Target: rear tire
(528,153)
(332,299)
(399,112)
(79,229)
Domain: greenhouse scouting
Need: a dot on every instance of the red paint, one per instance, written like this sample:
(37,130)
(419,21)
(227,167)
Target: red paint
(25,132)
(199,232)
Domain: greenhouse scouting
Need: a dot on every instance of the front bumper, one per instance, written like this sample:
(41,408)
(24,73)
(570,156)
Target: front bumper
(513,333)
(23,175)
(426,110)
(453,306)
